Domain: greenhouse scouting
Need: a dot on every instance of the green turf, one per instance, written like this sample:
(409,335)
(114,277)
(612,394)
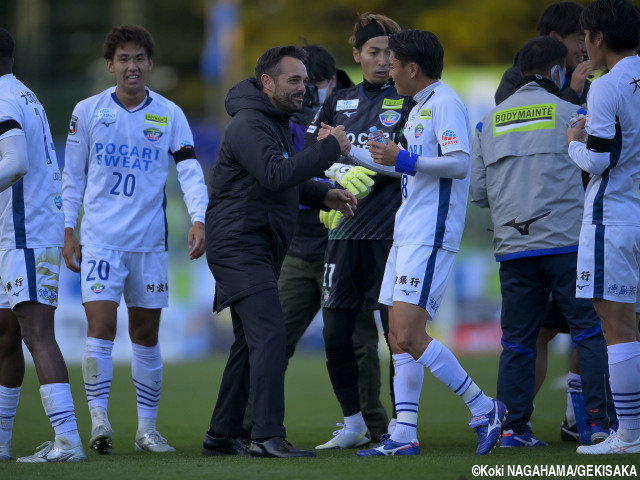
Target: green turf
(447,443)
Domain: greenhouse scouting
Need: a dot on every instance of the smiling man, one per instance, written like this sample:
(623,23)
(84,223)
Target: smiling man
(119,148)
(258,184)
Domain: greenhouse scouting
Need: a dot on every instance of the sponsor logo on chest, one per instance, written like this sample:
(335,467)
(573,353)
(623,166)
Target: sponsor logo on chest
(106,116)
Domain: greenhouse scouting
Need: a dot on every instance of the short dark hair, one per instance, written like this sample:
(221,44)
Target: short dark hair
(269,61)
(540,54)
(561,17)
(127,34)
(321,65)
(6,44)
(421,47)
(617,20)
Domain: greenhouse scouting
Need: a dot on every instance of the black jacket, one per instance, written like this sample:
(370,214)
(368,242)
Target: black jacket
(513,76)
(256,187)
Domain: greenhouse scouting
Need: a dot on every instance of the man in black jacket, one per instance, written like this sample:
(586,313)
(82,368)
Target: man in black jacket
(256,188)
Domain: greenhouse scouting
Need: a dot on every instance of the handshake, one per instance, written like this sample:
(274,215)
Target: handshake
(355,179)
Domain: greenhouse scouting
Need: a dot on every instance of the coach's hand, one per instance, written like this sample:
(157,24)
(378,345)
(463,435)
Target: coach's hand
(196,240)
(71,250)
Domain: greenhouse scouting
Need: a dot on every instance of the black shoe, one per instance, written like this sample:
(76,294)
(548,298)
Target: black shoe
(569,434)
(277,447)
(223,446)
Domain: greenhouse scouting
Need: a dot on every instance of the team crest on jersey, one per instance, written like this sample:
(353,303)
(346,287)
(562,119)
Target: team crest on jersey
(389,118)
(107,116)
(57,201)
(347,104)
(449,137)
(73,125)
(156,120)
(152,134)
(97,288)
(419,130)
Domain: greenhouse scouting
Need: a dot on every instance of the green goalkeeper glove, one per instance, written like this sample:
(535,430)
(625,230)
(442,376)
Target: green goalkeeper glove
(355,179)
(331,219)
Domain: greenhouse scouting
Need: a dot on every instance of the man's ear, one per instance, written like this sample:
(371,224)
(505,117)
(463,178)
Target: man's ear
(356,55)
(267,83)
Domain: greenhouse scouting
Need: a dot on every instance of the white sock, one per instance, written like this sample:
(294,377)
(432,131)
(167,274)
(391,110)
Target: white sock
(146,369)
(574,385)
(624,365)
(97,372)
(407,385)
(392,424)
(446,368)
(355,423)
(9,398)
(58,405)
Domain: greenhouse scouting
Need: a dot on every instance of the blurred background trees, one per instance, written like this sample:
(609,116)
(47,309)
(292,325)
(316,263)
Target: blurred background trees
(205,46)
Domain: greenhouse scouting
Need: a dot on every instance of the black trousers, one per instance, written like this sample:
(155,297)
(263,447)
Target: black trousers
(256,358)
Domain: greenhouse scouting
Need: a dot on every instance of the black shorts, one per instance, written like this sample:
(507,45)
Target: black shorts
(353,272)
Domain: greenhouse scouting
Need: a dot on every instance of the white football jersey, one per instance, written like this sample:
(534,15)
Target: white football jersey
(613,198)
(116,165)
(433,209)
(31,209)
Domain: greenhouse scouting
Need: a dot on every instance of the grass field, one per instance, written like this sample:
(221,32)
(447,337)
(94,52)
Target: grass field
(448,445)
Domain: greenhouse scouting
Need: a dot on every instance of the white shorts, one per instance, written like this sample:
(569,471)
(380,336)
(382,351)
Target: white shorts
(141,276)
(416,274)
(29,275)
(609,263)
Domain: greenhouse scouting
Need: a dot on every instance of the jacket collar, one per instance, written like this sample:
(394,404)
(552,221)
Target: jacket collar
(545,83)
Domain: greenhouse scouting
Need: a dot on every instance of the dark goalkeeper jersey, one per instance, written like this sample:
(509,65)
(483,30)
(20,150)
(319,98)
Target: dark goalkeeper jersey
(388,112)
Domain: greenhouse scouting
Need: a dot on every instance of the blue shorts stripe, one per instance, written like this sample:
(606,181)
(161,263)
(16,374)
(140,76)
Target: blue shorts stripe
(428,278)
(30,267)
(598,261)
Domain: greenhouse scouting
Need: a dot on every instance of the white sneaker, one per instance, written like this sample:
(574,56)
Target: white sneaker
(344,439)
(51,453)
(613,444)
(6,452)
(152,441)
(101,439)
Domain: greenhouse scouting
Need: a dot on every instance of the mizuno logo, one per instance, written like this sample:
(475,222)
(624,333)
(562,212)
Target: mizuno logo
(408,292)
(348,114)
(523,227)
(106,124)
(15,294)
(580,287)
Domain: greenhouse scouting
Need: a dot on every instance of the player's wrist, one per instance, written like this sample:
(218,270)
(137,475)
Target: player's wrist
(406,162)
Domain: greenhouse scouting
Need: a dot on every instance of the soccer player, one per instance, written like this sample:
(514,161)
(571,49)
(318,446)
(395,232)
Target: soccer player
(607,145)
(428,227)
(119,148)
(31,239)
(354,260)
(521,171)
